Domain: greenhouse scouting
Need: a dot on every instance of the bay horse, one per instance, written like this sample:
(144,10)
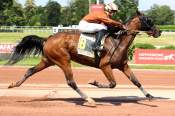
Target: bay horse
(60,48)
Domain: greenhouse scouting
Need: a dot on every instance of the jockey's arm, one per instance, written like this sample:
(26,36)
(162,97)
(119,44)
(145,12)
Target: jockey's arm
(111,22)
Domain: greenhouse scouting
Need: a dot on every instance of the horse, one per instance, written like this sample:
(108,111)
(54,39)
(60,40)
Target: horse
(59,49)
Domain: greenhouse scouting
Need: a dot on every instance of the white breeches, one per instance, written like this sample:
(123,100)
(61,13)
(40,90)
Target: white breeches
(84,26)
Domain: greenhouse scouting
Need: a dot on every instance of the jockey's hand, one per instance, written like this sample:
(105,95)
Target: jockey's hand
(124,27)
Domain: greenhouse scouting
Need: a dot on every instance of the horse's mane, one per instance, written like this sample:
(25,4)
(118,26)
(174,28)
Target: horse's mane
(137,13)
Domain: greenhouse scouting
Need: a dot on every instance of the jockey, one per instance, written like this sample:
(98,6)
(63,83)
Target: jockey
(98,22)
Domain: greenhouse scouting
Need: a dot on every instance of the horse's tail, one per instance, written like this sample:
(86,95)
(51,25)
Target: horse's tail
(31,44)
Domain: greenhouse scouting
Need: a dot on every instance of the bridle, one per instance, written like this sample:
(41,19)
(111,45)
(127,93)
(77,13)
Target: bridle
(146,26)
(146,23)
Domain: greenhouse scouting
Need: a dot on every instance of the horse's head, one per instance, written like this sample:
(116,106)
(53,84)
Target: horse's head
(144,23)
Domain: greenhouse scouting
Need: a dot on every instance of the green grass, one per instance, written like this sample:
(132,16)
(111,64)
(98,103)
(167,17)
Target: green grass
(25,62)
(167,27)
(16,37)
(152,66)
(164,40)
(32,61)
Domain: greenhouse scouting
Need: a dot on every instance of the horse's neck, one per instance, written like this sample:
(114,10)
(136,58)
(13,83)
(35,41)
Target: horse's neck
(133,24)
(128,39)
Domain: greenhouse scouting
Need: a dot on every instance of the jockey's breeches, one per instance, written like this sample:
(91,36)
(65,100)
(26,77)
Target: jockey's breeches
(87,27)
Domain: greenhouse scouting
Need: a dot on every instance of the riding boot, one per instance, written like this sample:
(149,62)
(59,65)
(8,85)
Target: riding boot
(99,36)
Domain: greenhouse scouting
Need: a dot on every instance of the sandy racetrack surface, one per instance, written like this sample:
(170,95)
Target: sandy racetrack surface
(46,93)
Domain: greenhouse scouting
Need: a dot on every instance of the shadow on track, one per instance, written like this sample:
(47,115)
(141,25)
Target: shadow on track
(104,100)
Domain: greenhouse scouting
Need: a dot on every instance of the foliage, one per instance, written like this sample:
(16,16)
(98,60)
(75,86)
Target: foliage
(66,16)
(161,15)
(5,4)
(127,9)
(30,12)
(73,14)
(76,10)
(131,52)
(40,15)
(14,15)
(144,46)
(101,1)
(52,13)
(30,4)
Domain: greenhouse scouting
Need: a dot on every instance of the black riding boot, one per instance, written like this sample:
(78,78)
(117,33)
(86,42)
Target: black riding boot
(99,36)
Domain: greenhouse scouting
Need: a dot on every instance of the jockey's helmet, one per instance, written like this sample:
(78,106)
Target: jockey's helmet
(111,7)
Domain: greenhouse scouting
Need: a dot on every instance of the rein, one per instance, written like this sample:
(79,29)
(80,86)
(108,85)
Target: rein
(145,26)
(119,33)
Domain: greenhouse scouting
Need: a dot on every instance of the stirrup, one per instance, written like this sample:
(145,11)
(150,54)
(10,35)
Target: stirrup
(97,48)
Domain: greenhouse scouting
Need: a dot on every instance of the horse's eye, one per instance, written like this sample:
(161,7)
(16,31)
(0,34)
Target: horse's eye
(149,20)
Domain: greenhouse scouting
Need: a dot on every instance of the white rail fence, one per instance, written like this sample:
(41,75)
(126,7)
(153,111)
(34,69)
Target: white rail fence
(36,29)
(26,29)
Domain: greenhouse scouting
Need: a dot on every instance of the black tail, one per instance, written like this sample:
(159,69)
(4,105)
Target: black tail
(31,44)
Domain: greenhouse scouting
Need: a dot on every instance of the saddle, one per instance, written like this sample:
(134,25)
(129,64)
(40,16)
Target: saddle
(86,41)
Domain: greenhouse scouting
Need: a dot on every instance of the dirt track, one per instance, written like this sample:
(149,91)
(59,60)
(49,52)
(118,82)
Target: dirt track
(124,100)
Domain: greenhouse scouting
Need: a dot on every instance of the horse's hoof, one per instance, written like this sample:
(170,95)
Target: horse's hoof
(52,94)
(149,96)
(11,86)
(90,103)
(94,83)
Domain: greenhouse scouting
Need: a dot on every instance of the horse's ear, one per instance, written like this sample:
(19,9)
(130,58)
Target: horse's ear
(138,13)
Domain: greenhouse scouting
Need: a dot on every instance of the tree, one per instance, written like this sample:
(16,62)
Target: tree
(101,1)
(30,12)
(40,16)
(52,14)
(14,15)
(5,3)
(30,3)
(161,15)
(76,10)
(127,9)
(79,9)
(66,16)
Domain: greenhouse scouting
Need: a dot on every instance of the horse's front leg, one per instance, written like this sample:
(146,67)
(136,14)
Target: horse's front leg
(107,70)
(127,71)
(70,81)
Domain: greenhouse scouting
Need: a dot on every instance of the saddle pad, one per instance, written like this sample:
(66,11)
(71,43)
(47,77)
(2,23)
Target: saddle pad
(85,45)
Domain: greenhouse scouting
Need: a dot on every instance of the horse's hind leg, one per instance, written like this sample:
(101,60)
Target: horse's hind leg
(127,71)
(42,65)
(107,70)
